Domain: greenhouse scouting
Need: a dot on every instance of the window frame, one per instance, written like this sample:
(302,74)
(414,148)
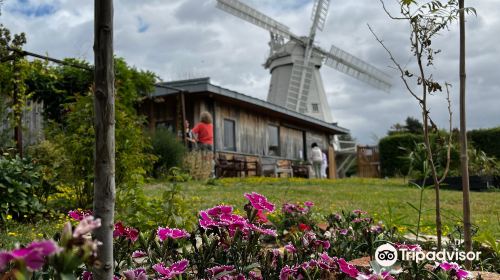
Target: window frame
(226,147)
(277,149)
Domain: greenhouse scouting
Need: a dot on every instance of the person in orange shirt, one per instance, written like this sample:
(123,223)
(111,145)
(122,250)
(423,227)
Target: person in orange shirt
(205,132)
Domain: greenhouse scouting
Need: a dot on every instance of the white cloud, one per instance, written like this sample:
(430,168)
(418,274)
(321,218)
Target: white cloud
(186,38)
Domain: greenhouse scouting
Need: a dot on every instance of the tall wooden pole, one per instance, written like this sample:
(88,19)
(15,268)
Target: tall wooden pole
(104,164)
(464,161)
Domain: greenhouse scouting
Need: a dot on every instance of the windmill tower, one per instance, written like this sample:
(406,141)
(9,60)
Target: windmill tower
(294,61)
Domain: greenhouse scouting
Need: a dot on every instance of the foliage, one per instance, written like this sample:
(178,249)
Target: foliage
(169,150)
(405,154)
(412,125)
(487,140)
(481,164)
(146,212)
(21,187)
(393,153)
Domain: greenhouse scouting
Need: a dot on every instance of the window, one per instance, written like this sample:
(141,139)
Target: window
(229,135)
(315,107)
(273,142)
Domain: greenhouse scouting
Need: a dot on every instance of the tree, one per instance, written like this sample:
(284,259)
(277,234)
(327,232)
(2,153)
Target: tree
(104,163)
(464,161)
(14,70)
(425,21)
(414,126)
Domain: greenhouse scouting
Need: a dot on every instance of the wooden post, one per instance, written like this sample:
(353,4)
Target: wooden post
(464,161)
(104,164)
(332,165)
(183,112)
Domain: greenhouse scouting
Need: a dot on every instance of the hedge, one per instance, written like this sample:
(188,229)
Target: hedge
(393,152)
(487,140)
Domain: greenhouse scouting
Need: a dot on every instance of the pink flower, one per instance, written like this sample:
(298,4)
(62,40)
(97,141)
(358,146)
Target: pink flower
(262,217)
(138,254)
(449,266)
(359,212)
(135,274)
(174,233)
(287,272)
(78,215)
(259,202)
(33,255)
(308,204)
(290,248)
(347,268)
(344,231)
(214,271)
(219,210)
(87,275)
(408,247)
(129,232)
(175,269)
(86,225)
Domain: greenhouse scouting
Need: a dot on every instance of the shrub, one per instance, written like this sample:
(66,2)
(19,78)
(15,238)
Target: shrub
(169,150)
(394,151)
(487,140)
(20,186)
(76,138)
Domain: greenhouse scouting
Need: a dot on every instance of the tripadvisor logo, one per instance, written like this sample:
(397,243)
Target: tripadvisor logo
(387,254)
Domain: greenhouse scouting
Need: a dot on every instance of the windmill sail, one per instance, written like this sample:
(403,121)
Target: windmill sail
(251,15)
(357,68)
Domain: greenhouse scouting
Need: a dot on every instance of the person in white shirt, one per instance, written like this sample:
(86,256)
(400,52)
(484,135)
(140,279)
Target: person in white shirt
(324,163)
(317,159)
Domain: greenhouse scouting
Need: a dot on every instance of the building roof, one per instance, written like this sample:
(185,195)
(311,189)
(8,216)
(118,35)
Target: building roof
(203,86)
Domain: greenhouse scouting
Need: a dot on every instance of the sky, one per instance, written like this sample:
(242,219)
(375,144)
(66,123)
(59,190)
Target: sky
(181,39)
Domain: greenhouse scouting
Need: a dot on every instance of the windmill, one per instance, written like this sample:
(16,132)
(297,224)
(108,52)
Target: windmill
(294,61)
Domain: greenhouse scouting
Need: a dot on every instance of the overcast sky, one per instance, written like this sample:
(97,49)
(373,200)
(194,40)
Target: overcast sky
(180,39)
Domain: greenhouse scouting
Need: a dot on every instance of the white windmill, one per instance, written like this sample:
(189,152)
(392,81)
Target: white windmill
(294,61)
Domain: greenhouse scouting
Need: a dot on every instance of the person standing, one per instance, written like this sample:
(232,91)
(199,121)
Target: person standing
(317,159)
(191,141)
(324,164)
(205,132)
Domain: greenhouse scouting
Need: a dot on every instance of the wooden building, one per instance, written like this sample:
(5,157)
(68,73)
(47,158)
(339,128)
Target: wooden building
(243,125)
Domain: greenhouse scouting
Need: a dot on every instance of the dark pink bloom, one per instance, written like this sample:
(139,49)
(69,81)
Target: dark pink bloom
(254,276)
(78,215)
(460,273)
(129,232)
(259,201)
(135,274)
(325,244)
(290,248)
(214,271)
(33,255)
(309,204)
(219,210)
(175,269)
(262,217)
(174,233)
(138,254)
(264,231)
(287,272)
(347,268)
(87,275)
(344,231)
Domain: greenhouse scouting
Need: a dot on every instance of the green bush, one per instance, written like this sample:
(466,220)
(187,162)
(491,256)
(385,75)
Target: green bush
(394,152)
(169,150)
(487,140)
(400,154)
(20,187)
(76,137)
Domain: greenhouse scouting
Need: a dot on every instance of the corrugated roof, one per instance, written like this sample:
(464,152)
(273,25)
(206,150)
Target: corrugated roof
(201,85)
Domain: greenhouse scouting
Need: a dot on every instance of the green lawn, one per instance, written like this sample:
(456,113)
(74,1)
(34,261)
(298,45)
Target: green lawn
(386,200)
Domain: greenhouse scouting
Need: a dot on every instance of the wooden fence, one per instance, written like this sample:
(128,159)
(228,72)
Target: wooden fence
(368,162)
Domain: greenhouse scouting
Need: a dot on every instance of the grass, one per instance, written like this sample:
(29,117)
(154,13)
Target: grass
(385,199)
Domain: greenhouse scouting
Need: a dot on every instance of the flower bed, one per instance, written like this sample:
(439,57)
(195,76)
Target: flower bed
(257,245)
